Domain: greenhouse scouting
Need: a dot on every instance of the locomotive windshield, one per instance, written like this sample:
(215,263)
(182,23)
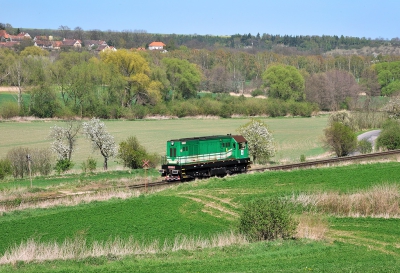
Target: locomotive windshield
(242,145)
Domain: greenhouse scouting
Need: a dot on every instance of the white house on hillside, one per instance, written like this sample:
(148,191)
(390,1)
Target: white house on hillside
(156,46)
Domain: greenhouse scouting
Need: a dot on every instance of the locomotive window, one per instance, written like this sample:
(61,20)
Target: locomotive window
(234,145)
(242,145)
(185,149)
(172,152)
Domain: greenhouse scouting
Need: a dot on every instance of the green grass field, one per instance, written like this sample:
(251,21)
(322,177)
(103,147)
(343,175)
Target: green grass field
(206,207)
(202,208)
(12,96)
(294,136)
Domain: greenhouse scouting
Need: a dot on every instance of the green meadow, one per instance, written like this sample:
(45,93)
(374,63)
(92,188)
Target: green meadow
(200,210)
(204,208)
(294,136)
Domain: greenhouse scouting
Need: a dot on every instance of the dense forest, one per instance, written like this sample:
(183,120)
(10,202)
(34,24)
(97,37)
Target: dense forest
(295,73)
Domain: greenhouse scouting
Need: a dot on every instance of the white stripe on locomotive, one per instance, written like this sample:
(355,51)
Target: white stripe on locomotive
(200,158)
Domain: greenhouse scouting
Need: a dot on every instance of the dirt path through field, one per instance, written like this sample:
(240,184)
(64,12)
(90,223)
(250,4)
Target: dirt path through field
(376,245)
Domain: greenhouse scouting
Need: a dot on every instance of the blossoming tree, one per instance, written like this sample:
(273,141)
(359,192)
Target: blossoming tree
(95,131)
(259,138)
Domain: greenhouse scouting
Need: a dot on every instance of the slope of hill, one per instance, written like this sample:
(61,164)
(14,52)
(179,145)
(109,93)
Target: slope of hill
(205,208)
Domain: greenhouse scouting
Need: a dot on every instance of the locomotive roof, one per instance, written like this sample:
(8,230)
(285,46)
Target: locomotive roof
(238,138)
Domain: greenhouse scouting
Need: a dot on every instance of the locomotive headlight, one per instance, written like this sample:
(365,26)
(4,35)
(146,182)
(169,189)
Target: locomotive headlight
(172,143)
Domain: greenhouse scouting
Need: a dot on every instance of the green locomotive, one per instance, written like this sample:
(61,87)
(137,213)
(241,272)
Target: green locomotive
(188,158)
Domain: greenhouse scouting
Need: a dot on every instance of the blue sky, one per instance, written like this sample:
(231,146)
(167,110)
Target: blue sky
(357,18)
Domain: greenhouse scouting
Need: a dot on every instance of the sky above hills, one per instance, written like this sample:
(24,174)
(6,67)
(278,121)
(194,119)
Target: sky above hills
(357,18)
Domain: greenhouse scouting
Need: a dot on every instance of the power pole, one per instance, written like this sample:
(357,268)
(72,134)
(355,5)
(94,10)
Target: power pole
(28,158)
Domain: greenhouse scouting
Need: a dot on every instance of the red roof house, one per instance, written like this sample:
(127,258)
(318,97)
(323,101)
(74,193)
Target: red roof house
(156,46)
(4,35)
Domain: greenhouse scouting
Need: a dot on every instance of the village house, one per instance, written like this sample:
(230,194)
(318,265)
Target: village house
(20,36)
(72,43)
(42,38)
(45,44)
(106,47)
(9,44)
(93,44)
(156,46)
(57,44)
(4,37)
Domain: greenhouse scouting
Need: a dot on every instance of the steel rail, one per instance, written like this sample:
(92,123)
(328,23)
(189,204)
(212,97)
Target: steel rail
(327,161)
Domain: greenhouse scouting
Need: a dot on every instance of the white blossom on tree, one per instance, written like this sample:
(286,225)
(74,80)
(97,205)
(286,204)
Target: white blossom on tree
(95,130)
(64,139)
(259,139)
(393,107)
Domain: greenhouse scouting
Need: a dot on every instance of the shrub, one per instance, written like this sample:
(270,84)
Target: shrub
(389,138)
(184,108)
(19,163)
(209,107)
(5,168)
(41,160)
(9,109)
(254,107)
(140,111)
(369,119)
(267,219)
(132,154)
(302,158)
(275,108)
(343,117)
(89,165)
(257,92)
(304,109)
(44,103)
(340,138)
(63,165)
(160,109)
(364,146)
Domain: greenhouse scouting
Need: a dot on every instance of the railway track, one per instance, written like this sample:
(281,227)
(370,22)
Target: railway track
(328,161)
(270,168)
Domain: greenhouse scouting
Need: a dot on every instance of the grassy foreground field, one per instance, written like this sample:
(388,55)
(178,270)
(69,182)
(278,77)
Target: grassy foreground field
(294,136)
(205,208)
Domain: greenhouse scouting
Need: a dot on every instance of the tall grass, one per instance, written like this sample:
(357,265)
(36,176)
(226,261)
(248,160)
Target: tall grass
(69,200)
(78,248)
(380,201)
(310,227)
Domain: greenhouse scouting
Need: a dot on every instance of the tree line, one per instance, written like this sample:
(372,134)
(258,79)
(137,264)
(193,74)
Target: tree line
(132,84)
(312,44)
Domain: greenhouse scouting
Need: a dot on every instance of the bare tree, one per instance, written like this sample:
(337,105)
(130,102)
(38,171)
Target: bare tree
(78,33)
(95,34)
(315,90)
(218,78)
(95,131)
(64,31)
(19,71)
(332,90)
(370,83)
(341,85)
(140,37)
